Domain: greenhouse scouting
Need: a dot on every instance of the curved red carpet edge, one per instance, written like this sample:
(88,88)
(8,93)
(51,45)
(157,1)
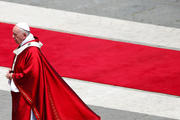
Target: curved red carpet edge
(103,61)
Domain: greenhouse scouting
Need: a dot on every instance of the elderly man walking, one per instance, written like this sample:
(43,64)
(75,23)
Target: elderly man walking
(38,92)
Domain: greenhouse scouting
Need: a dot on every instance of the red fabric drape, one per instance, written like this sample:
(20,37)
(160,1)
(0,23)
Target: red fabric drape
(45,91)
(20,107)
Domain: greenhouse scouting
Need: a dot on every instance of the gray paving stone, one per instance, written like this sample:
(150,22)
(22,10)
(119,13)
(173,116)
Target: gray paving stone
(5,105)
(105,113)
(158,12)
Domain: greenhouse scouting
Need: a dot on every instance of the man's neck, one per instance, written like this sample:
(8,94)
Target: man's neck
(30,37)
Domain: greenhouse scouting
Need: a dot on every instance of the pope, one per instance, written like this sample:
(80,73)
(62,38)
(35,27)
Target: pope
(38,91)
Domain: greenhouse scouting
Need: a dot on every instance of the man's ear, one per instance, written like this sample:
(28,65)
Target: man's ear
(25,35)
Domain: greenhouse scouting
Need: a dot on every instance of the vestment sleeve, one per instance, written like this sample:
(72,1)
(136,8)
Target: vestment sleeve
(17,75)
(30,68)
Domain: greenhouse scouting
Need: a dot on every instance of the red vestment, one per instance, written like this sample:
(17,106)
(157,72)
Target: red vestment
(44,91)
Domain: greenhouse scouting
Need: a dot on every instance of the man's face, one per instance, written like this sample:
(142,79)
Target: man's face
(18,35)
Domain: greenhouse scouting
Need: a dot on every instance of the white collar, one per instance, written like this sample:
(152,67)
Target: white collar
(28,38)
(19,50)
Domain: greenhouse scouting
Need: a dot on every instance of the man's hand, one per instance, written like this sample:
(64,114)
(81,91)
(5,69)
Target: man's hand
(9,75)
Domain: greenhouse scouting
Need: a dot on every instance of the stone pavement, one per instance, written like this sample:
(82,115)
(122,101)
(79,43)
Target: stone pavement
(158,12)
(105,113)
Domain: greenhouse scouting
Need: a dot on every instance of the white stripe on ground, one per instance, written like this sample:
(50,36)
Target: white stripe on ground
(118,97)
(91,25)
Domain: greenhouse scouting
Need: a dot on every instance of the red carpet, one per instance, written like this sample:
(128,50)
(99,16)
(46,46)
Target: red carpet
(103,61)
